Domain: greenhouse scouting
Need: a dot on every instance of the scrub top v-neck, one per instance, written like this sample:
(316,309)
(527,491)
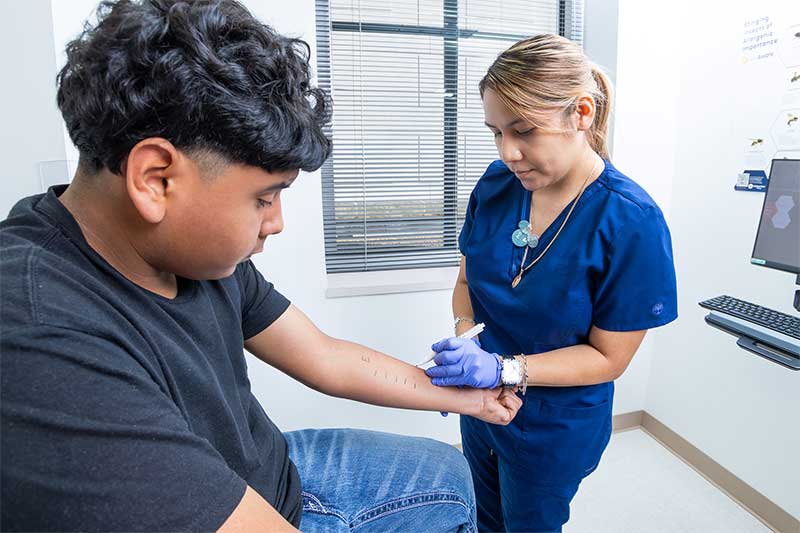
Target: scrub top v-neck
(611,266)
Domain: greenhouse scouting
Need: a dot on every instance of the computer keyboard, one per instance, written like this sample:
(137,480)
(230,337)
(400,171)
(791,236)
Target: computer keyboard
(763,316)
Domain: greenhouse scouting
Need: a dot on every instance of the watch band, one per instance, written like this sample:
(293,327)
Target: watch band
(524,373)
(460,319)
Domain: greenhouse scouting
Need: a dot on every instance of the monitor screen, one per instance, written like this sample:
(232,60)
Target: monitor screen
(778,237)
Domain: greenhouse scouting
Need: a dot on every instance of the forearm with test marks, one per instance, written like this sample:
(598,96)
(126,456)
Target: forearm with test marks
(367,375)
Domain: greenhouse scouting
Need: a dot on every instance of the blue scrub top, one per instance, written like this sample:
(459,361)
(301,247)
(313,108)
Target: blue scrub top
(610,267)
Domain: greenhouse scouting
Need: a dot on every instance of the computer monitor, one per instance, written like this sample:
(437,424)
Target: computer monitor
(778,238)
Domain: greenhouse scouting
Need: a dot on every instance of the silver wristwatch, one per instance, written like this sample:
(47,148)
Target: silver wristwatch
(511,372)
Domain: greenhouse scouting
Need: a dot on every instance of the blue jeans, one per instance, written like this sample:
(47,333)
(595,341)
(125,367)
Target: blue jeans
(355,480)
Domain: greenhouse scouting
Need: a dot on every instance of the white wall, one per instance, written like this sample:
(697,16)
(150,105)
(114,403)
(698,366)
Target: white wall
(31,124)
(644,139)
(679,69)
(67,20)
(616,53)
(600,40)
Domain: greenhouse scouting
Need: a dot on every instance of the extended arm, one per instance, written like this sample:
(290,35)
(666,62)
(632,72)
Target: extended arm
(294,345)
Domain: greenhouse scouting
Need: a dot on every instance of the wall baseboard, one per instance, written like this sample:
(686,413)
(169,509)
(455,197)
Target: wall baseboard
(764,509)
(627,421)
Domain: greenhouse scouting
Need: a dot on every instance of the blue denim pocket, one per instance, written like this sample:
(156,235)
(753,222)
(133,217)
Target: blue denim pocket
(562,444)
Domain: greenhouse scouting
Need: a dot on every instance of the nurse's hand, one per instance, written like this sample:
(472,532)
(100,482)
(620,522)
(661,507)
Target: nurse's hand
(498,406)
(463,362)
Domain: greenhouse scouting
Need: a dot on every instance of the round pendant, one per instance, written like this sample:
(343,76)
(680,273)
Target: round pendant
(519,238)
(533,240)
(516,281)
(524,225)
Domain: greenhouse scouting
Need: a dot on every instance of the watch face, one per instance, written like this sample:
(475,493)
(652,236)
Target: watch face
(511,373)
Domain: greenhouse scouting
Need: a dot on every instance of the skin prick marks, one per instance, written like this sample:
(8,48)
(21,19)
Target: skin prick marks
(393,379)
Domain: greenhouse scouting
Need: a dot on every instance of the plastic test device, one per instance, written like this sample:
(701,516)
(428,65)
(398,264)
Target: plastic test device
(471,332)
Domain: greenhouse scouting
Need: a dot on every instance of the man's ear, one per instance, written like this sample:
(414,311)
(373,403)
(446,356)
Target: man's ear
(149,171)
(585,109)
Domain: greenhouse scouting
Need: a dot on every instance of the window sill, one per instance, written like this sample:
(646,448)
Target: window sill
(390,282)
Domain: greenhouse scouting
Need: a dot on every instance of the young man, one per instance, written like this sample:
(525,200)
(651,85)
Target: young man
(129,295)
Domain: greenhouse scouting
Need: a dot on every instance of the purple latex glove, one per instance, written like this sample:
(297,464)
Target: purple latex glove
(478,342)
(463,362)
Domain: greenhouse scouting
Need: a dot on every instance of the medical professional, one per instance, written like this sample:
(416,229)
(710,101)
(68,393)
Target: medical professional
(568,262)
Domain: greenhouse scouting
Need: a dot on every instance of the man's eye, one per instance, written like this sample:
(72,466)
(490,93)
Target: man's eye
(263,203)
(497,133)
(526,132)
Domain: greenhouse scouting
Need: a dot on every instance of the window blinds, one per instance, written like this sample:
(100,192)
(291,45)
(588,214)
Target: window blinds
(409,141)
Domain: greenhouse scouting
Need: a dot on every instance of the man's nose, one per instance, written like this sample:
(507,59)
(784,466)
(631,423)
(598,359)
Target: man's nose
(273,222)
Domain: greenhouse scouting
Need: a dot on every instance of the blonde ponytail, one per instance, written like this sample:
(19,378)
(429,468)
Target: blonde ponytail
(598,133)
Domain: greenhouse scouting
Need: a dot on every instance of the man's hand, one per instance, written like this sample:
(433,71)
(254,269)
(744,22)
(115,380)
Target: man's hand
(498,406)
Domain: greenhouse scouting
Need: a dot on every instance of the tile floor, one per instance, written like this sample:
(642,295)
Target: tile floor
(642,487)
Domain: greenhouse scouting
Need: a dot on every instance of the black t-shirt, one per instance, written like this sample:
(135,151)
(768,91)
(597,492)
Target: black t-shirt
(121,409)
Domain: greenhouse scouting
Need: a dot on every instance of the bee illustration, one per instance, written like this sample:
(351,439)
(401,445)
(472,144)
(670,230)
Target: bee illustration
(756,142)
(796,77)
(792,119)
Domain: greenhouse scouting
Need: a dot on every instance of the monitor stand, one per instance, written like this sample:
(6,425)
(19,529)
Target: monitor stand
(797,295)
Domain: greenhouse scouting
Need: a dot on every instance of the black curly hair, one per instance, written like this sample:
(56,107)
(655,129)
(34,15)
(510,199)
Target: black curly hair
(203,74)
